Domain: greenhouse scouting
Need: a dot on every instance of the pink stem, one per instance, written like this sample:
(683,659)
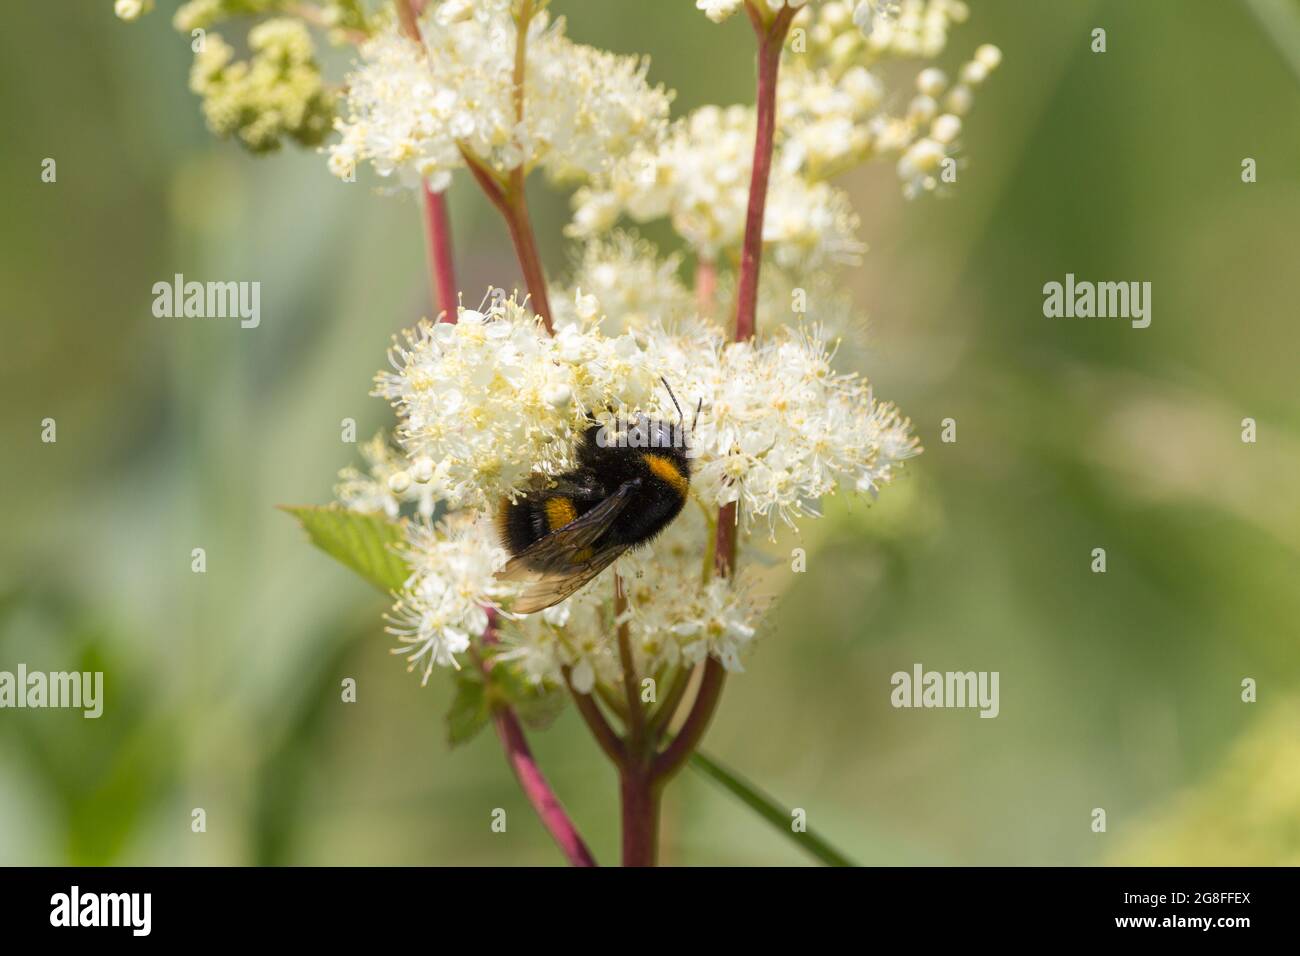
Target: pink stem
(529,775)
(771,38)
(639,796)
(511,202)
(437,227)
(437,230)
(538,791)
(697,721)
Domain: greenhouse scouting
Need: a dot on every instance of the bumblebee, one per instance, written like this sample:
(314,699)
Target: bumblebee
(627,488)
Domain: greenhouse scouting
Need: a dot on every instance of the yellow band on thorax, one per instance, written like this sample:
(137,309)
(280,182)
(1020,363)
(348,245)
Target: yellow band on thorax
(666,469)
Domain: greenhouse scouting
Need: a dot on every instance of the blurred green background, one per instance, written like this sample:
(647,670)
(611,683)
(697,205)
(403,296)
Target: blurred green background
(1119,691)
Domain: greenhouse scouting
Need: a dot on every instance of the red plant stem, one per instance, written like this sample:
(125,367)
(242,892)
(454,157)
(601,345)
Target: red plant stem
(639,797)
(512,205)
(636,713)
(509,196)
(771,38)
(697,722)
(521,234)
(664,715)
(437,229)
(596,722)
(771,35)
(538,791)
(529,775)
(724,553)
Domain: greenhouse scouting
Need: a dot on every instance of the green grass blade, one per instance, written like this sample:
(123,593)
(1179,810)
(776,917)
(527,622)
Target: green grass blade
(769,810)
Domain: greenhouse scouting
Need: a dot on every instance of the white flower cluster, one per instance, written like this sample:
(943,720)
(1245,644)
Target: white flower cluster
(486,402)
(129,10)
(778,450)
(446,600)
(415,111)
(625,278)
(719,10)
(386,484)
(493,402)
(699,179)
(830,101)
(920,160)
(851,30)
(830,117)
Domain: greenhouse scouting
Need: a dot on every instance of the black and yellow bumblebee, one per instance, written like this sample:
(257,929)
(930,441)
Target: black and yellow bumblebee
(621,495)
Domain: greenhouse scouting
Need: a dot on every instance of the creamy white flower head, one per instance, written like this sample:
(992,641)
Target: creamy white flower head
(572,636)
(129,10)
(823,119)
(492,400)
(790,296)
(389,480)
(830,114)
(719,10)
(444,603)
(928,135)
(699,179)
(413,110)
(844,31)
(624,276)
(810,226)
(777,451)
(676,616)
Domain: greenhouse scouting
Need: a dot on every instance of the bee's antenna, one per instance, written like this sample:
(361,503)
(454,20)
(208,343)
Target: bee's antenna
(696,419)
(680,417)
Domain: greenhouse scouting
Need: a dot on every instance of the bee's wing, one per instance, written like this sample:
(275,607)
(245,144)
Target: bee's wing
(559,563)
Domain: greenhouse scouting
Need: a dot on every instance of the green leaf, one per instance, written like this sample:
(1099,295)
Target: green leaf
(363,542)
(768,809)
(469,711)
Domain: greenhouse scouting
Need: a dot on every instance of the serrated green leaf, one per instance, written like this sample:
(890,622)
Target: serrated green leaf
(767,808)
(469,711)
(363,542)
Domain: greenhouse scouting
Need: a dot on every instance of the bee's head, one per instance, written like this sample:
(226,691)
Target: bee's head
(670,440)
(681,430)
